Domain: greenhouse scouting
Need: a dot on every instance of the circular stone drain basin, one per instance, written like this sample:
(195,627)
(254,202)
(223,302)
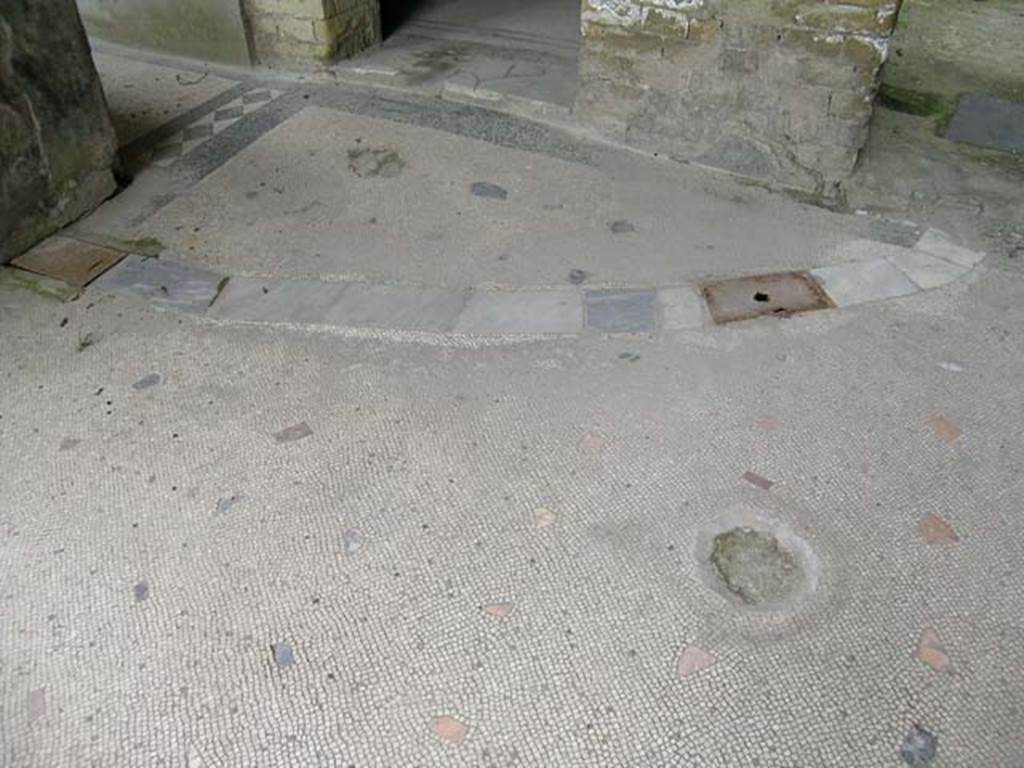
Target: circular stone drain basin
(756,567)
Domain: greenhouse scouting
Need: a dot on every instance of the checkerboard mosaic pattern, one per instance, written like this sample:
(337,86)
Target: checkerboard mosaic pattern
(210,125)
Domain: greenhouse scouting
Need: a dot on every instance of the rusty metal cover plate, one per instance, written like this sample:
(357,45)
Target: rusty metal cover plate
(782,294)
(71,261)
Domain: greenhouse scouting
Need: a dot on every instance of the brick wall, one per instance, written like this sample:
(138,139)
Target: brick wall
(303,32)
(779,90)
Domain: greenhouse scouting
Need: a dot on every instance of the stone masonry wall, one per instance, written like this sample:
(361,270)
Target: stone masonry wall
(779,90)
(57,145)
(307,32)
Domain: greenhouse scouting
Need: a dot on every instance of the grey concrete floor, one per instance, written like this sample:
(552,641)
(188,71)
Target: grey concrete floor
(517,55)
(226,544)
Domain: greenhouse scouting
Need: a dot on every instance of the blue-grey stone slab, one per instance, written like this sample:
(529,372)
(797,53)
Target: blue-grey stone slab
(527,312)
(147,381)
(277,301)
(894,231)
(293,433)
(165,283)
(396,307)
(622,311)
(486,189)
(141,590)
(283,655)
(919,747)
(352,539)
(225,503)
(987,122)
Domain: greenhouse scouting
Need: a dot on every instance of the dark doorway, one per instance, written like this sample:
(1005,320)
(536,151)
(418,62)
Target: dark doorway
(547,20)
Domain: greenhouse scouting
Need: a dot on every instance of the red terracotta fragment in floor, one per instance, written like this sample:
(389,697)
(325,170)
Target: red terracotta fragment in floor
(945,429)
(450,729)
(692,660)
(935,530)
(755,479)
(501,610)
(930,651)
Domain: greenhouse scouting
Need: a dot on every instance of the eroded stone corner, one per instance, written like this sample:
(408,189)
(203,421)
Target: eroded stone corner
(777,90)
(305,33)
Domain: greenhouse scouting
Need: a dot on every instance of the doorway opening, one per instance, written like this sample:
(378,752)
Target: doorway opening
(555,21)
(493,49)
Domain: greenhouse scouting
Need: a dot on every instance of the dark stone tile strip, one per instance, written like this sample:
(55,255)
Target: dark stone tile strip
(460,119)
(213,153)
(134,151)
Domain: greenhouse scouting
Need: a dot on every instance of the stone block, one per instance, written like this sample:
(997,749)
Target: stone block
(397,308)
(622,311)
(925,270)
(681,308)
(57,145)
(938,244)
(737,84)
(276,301)
(988,122)
(164,283)
(860,282)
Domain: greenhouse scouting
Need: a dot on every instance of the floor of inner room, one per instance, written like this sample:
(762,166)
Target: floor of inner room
(554,20)
(503,52)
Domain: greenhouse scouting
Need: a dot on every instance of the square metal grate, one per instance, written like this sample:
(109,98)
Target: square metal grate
(782,294)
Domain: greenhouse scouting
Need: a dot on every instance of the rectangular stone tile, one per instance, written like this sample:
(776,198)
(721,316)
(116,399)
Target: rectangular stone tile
(988,122)
(622,311)
(397,307)
(681,308)
(277,301)
(71,261)
(495,312)
(937,243)
(925,270)
(863,281)
(165,283)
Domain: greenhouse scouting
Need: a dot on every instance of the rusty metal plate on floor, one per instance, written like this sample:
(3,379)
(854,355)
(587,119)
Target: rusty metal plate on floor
(71,261)
(782,294)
